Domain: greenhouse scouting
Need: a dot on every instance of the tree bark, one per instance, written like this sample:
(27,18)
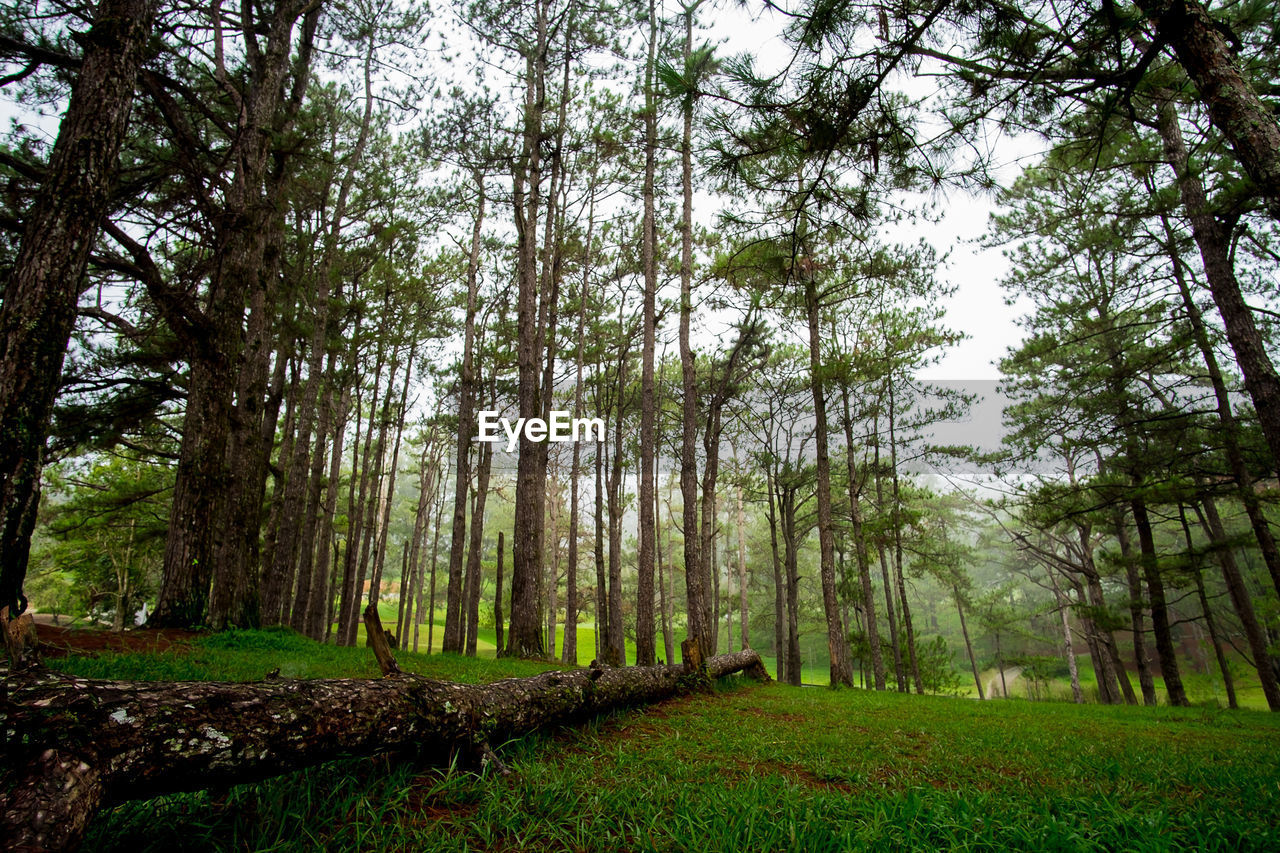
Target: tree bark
(90,744)
(1241,601)
(1246,121)
(645,632)
(1213,238)
(1159,611)
(525,636)
(40,295)
(695,588)
(475,575)
(860,551)
(242,240)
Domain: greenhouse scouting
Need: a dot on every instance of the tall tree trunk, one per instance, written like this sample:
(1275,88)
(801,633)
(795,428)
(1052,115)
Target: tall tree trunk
(525,637)
(1227,682)
(475,574)
(308,575)
(908,627)
(553,567)
(1134,580)
(575,466)
(357,494)
(202,479)
(380,558)
(321,595)
(791,545)
(1230,425)
(666,594)
(741,518)
(410,585)
(645,633)
(615,644)
(968,646)
(837,642)
(891,611)
(1077,695)
(779,587)
(695,589)
(497,595)
(860,549)
(1159,611)
(1213,237)
(1241,601)
(453,634)
(41,292)
(602,599)
(435,557)
(361,546)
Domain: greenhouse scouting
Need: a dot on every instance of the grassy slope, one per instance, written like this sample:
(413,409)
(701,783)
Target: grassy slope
(749,768)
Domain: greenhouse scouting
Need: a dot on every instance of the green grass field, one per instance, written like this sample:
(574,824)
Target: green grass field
(744,768)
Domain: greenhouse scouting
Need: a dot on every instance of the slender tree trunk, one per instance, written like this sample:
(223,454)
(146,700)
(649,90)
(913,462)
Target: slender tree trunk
(666,597)
(1145,678)
(1068,646)
(1241,601)
(453,632)
(369,528)
(779,588)
(497,595)
(575,466)
(553,567)
(907,625)
(615,644)
(645,633)
(968,646)
(1230,425)
(791,546)
(309,577)
(602,599)
(475,573)
(742,567)
(421,519)
(435,557)
(1227,682)
(380,558)
(860,549)
(1213,237)
(695,589)
(321,596)
(1159,611)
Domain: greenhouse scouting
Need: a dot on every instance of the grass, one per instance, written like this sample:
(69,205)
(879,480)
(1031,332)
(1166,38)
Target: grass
(744,768)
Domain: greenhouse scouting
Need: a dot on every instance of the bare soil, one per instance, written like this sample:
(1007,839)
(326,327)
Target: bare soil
(57,641)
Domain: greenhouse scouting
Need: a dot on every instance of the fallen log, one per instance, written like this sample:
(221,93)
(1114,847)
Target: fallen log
(76,745)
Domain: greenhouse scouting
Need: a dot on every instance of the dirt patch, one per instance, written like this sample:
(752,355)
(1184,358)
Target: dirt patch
(794,772)
(58,641)
(772,715)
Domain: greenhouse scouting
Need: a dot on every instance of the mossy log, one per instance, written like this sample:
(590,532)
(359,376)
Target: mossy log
(76,745)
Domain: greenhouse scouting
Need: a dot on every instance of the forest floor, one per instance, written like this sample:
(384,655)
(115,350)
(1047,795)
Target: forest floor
(743,768)
(59,641)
